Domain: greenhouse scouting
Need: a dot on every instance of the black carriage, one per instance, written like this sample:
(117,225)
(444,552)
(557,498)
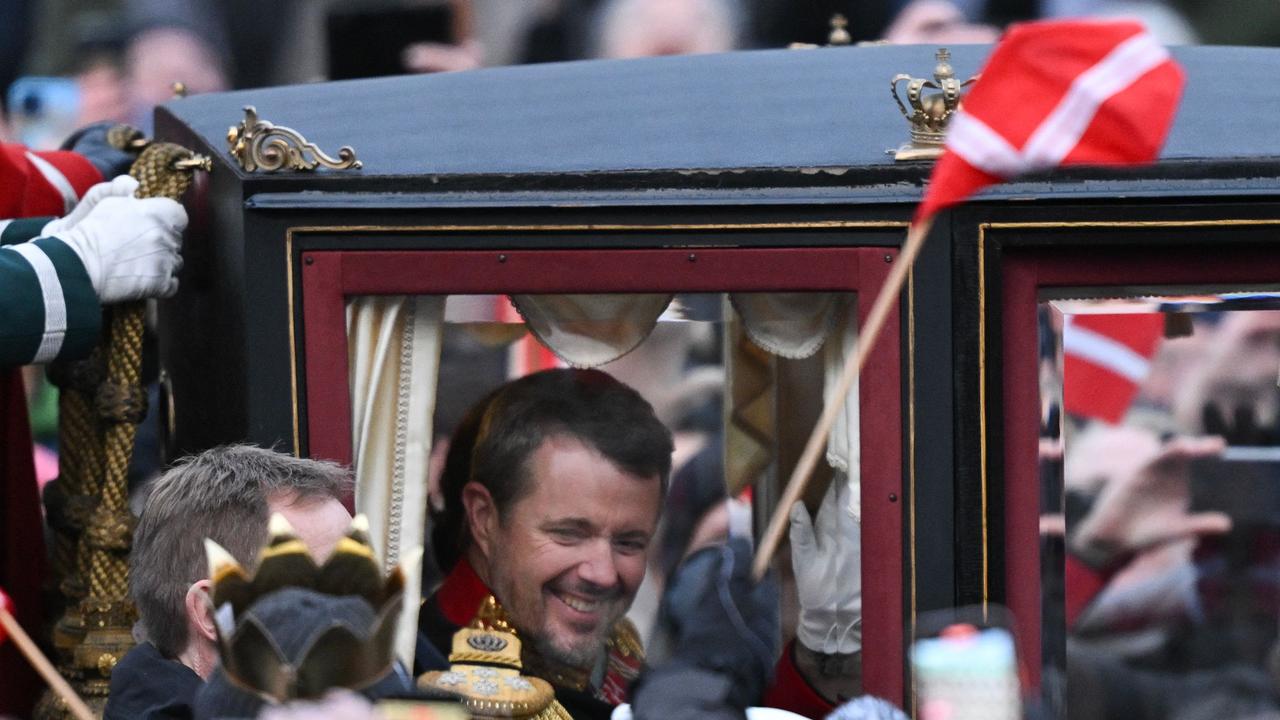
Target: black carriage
(719,181)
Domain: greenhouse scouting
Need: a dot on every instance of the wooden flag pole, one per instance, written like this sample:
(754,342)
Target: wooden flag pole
(42,665)
(818,439)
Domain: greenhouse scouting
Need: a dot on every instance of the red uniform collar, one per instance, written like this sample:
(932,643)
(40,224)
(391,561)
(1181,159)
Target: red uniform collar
(461,594)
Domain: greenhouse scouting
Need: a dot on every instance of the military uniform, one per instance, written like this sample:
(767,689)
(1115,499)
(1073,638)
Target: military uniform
(48,310)
(463,598)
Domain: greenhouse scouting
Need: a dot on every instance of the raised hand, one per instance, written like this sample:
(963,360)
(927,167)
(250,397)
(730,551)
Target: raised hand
(826,555)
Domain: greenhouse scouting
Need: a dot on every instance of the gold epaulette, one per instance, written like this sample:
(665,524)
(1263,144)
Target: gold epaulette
(625,640)
(484,671)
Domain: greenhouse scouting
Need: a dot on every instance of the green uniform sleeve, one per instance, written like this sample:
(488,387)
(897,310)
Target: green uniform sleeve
(48,309)
(13,232)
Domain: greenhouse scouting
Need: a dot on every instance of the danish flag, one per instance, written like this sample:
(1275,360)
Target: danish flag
(1058,93)
(1105,359)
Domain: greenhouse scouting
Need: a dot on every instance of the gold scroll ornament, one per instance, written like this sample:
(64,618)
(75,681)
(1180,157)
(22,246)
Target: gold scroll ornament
(260,145)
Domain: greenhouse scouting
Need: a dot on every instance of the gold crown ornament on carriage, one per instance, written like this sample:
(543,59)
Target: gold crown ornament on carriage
(930,111)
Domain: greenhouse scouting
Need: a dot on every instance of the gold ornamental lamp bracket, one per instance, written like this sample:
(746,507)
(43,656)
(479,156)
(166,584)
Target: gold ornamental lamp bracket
(260,145)
(929,112)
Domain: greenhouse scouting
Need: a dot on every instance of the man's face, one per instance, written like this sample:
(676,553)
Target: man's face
(569,556)
(320,522)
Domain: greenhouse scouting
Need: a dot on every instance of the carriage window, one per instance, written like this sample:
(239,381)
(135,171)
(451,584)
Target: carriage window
(737,377)
(1160,496)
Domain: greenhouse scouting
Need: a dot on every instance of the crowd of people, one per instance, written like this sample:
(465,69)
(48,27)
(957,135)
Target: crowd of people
(125,55)
(1164,520)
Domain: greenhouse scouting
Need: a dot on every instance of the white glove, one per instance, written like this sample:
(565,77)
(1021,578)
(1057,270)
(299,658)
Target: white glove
(828,568)
(123,186)
(130,247)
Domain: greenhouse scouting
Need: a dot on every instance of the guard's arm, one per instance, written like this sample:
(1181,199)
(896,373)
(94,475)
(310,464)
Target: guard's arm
(48,309)
(42,183)
(21,230)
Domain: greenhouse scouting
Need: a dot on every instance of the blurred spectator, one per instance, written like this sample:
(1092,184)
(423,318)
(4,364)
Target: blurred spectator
(429,57)
(104,94)
(1174,545)
(1139,523)
(1232,391)
(723,630)
(778,23)
(648,28)
(14,32)
(697,489)
(216,45)
(459,51)
(207,45)
(561,31)
(1167,24)
(1246,22)
(1100,688)
(936,22)
(83,39)
(160,56)
(576,29)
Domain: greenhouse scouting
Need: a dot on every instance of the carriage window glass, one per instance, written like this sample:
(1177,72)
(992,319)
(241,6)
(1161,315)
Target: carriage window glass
(738,378)
(1160,497)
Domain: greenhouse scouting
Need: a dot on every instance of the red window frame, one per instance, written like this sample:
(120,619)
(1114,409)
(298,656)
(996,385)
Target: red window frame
(329,277)
(1025,273)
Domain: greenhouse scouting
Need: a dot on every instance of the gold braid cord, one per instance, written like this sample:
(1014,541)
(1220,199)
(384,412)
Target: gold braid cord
(69,502)
(97,434)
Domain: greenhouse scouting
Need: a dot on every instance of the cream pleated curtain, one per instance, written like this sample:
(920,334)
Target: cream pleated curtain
(797,325)
(394,358)
(591,330)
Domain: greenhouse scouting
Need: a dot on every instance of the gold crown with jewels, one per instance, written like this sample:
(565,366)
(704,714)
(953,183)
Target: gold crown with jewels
(929,112)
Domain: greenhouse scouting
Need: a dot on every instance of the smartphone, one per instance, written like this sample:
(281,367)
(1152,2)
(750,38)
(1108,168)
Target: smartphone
(966,668)
(43,111)
(370,42)
(1244,483)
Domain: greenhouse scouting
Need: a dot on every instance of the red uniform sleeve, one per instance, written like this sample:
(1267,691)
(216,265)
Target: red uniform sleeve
(42,183)
(790,691)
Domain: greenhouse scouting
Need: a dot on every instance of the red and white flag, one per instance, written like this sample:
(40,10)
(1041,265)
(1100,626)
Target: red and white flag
(1075,92)
(1105,360)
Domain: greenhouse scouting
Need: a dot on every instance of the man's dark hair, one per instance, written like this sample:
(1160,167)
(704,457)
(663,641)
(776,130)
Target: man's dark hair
(220,494)
(493,443)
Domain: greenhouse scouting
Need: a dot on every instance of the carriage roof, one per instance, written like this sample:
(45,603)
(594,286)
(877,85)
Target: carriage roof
(818,123)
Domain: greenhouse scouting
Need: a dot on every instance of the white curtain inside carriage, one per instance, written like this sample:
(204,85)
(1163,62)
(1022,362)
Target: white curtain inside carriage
(394,345)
